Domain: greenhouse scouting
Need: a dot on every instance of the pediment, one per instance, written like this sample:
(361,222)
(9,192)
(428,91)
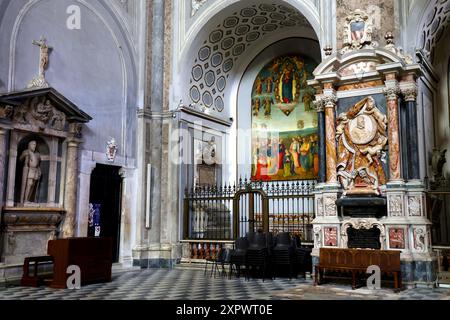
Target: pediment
(45,99)
(363,60)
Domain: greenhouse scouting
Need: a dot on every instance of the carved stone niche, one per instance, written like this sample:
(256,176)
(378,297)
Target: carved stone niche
(40,124)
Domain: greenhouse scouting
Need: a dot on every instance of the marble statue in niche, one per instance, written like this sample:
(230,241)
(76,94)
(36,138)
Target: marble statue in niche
(362,139)
(31,174)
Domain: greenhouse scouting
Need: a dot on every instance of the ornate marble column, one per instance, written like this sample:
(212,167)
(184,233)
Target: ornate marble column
(329,102)
(322,146)
(391,91)
(71,183)
(409,91)
(3,135)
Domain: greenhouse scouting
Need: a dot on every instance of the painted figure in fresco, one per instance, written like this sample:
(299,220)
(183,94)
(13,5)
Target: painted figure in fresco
(315,154)
(269,85)
(307,99)
(294,150)
(281,153)
(305,155)
(304,80)
(256,107)
(273,157)
(287,84)
(31,173)
(259,85)
(289,169)
(269,147)
(262,168)
(267,107)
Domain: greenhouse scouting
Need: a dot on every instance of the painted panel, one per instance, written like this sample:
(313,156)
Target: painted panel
(397,238)
(330,237)
(284,122)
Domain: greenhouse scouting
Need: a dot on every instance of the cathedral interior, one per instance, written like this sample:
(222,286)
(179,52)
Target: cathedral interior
(152,135)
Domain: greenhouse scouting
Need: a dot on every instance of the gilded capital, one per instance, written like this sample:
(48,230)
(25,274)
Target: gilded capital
(319,104)
(409,91)
(391,93)
(329,101)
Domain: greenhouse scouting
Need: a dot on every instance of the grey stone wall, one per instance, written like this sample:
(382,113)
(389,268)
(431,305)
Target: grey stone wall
(94,66)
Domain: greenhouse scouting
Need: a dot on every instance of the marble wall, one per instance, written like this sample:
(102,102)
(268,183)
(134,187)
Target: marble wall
(382,13)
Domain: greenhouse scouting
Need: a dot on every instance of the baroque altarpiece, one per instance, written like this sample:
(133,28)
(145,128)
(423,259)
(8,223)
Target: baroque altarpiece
(371,196)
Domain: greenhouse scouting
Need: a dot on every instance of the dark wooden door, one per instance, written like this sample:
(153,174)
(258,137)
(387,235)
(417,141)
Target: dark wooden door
(106,190)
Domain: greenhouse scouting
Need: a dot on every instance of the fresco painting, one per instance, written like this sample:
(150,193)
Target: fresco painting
(284,122)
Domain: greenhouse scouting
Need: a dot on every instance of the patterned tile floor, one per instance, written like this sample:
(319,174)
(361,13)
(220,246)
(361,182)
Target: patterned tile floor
(192,284)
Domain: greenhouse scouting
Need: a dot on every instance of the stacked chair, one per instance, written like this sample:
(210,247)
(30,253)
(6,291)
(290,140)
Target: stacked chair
(284,252)
(238,256)
(258,253)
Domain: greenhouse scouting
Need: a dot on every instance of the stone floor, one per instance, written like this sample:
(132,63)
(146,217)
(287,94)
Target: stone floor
(192,284)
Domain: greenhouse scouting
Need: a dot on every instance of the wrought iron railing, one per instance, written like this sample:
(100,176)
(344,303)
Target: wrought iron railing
(230,211)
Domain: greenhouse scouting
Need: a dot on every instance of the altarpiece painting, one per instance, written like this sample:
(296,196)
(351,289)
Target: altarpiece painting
(284,122)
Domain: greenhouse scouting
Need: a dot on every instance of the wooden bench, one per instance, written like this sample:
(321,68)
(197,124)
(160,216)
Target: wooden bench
(356,262)
(92,255)
(35,279)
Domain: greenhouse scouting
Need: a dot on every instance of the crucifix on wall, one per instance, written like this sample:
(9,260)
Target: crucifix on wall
(44,52)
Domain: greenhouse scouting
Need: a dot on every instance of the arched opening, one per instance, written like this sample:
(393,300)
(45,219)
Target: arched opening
(220,68)
(286,116)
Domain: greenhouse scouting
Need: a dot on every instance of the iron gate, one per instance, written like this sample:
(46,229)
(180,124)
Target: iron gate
(228,212)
